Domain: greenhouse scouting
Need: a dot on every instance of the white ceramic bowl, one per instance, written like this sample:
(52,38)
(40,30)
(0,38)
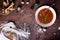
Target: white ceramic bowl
(53,20)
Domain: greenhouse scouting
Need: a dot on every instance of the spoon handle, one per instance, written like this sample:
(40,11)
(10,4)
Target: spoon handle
(52,4)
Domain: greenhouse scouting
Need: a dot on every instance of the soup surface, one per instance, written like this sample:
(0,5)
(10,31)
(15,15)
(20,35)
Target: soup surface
(45,16)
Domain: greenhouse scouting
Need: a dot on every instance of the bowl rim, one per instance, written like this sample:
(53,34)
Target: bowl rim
(53,20)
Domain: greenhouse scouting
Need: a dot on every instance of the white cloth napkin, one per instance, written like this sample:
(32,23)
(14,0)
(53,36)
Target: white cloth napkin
(21,33)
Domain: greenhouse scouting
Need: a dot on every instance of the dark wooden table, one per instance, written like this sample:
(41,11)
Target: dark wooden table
(28,17)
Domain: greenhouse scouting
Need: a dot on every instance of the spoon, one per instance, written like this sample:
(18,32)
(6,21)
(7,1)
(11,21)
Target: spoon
(49,7)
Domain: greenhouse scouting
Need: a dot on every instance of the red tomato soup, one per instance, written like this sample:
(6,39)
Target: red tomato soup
(45,16)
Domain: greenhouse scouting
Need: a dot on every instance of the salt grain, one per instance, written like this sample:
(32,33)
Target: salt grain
(22,2)
(27,2)
(44,30)
(22,11)
(40,30)
(58,28)
(54,33)
(18,8)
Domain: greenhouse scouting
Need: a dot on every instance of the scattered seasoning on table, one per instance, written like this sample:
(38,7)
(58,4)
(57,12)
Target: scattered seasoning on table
(58,28)
(27,1)
(22,11)
(18,8)
(22,2)
(54,33)
(44,30)
(35,4)
(40,30)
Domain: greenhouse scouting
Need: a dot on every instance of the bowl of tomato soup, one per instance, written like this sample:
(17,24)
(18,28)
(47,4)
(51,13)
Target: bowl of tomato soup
(45,16)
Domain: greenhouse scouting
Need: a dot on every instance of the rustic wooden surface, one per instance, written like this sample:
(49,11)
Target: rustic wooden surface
(28,16)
